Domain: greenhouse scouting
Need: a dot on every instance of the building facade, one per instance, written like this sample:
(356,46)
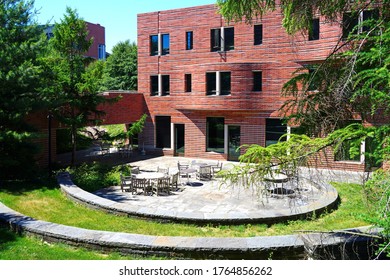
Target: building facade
(95,31)
(211,86)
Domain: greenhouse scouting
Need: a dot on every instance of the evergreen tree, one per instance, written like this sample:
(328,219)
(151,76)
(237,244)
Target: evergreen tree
(21,45)
(75,85)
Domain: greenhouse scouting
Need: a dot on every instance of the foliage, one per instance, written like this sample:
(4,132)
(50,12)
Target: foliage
(76,81)
(378,195)
(351,83)
(96,176)
(297,14)
(121,67)
(22,44)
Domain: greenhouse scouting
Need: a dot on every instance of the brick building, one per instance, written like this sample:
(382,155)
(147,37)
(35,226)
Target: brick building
(97,32)
(211,86)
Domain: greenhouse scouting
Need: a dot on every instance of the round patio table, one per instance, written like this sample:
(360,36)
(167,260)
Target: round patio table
(150,175)
(187,172)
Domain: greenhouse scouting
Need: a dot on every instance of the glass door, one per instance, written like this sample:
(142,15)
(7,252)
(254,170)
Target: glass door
(234,139)
(179,140)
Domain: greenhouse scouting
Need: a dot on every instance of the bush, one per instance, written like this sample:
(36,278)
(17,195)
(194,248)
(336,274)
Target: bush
(378,197)
(95,176)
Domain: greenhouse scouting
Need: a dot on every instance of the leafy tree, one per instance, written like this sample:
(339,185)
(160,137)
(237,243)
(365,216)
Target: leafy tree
(353,79)
(20,70)
(121,67)
(76,80)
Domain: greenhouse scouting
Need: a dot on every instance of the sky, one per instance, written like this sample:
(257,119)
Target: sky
(119,17)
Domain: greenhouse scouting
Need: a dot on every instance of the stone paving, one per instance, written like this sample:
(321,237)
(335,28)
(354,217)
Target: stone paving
(211,202)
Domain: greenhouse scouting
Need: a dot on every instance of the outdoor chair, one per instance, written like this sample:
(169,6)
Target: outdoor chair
(127,184)
(204,173)
(142,186)
(216,168)
(175,181)
(181,167)
(163,185)
(135,170)
(163,170)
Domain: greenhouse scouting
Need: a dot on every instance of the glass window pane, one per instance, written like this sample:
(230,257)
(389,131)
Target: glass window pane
(189,40)
(314,33)
(153,85)
(274,129)
(257,81)
(229,38)
(165,85)
(165,44)
(211,83)
(188,82)
(154,45)
(215,39)
(258,34)
(215,135)
(225,83)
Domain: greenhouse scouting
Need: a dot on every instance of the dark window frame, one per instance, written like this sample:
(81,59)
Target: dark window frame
(257,81)
(216,39)
(258,34)
(153,40)
(187,82)
(314,32)
(189,40)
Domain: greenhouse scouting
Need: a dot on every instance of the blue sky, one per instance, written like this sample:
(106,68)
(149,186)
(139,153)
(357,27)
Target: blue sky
(119,17)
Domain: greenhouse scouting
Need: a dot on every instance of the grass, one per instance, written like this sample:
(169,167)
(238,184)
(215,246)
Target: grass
(46,202)
(17,247)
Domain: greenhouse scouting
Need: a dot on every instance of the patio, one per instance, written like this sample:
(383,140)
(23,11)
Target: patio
(211,202)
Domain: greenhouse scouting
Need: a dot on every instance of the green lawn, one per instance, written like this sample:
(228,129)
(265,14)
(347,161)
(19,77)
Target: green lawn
(49,204)
(45,201)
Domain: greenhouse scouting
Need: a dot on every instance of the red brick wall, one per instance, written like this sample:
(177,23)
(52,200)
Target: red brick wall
(278,57)
(128,109)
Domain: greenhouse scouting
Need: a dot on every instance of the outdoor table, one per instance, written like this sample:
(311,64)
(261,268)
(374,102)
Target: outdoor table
(150,175)
(187,172)
(277,178)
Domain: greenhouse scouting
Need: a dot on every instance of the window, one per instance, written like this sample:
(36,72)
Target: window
(225,81)
(349,151)
(257,81)
(153,85)
(222,39)
(165,44)
(102,51)
(189,40)
(159,44)
(314,32)
(353,23)
(274,130)
(218,83)
(165,85)
(188,82)
(215,141)
(159,85)
(154,45)
(163,132)
(258,34)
